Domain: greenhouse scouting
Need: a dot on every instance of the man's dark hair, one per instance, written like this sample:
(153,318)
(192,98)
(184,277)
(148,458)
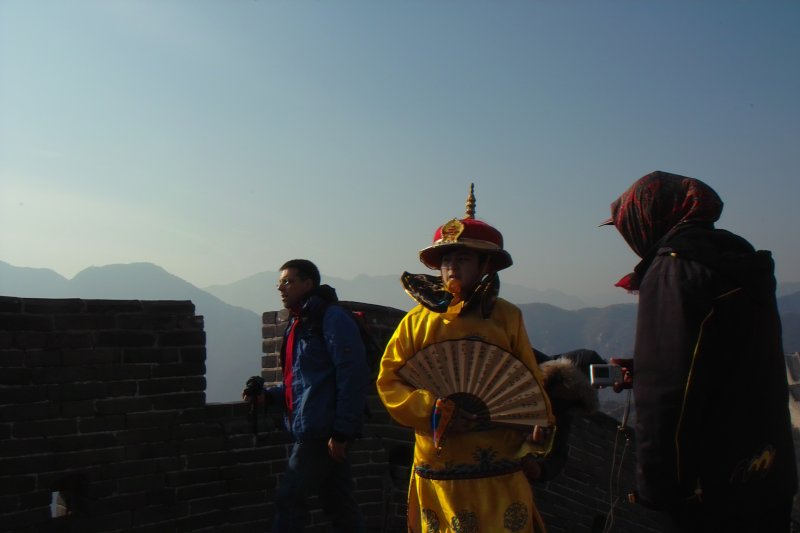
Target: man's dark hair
(305,270)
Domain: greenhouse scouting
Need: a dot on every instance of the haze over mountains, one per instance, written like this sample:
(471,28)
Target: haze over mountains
(233,312)
(258,293)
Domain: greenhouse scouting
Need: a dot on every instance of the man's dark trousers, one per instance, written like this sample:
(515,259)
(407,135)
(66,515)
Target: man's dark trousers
(311,470)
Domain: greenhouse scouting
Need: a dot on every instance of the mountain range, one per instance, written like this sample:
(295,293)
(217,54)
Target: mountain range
(257,292)
(233,312)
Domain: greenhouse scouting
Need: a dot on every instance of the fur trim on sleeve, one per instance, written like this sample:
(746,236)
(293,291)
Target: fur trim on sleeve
(568,387)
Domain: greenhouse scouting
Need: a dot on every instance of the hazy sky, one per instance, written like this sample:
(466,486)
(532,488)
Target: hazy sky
(219,138)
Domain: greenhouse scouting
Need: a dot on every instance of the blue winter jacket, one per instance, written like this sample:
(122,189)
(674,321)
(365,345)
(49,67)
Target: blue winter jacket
(329,374)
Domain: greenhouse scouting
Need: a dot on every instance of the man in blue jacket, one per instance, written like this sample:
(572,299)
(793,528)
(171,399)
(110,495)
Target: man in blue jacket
(323,392)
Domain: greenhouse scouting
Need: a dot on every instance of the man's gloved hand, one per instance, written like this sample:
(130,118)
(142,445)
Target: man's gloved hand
(254,390)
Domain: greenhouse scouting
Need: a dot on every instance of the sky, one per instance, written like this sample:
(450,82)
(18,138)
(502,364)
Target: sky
(218,139)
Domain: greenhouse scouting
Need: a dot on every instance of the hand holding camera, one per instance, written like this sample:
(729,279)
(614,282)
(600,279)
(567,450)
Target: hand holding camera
(618,374)
(254,390)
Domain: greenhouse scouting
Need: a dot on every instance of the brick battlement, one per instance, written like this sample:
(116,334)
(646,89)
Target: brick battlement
(104,426)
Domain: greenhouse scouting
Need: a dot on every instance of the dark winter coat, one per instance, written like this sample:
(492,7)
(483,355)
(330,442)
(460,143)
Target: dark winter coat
(709,378)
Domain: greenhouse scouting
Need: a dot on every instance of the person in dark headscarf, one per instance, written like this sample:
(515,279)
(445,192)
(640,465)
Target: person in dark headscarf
(713,435)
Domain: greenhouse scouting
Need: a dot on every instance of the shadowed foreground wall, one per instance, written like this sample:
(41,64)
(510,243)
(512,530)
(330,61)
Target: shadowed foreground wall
(104,427)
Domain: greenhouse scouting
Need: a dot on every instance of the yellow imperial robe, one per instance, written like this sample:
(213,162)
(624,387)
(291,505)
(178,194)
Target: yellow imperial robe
(474,483)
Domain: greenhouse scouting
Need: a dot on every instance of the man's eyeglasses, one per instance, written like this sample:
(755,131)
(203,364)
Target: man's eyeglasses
(285,282)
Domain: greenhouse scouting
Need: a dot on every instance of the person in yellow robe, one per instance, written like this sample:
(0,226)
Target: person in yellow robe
(467,474)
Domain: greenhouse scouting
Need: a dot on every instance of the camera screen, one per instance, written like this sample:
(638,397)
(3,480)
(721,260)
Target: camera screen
(601,371)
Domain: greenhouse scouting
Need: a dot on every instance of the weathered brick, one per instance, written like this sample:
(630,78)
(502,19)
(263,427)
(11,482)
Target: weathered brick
(268,453)
(142,435)
(96,356)
(13,447)
(39,358)
(97,521)
(205,519)
(17,484)
(44,428)
(61,375)
(16,466)
(140,467)
(180,369)
(270,361)
(249,471)
(181,307)
(10,304)
(24,519)
(20,394)
(159,513)
(205,460)
(161,419)
(152,450)
(195,354)
(84,322)
(15,376)
(126,338)
(193,477)
(272,377)
(191,492)
(52,306)
(182,338)
(149,482)
(203,445)
(70,339)
(116,389)
(244,426)
(6,340)
(196,431)
(123,372)
(252,484)
(123,405)
(72,392)
(108,422)
(75,443)
(33,499)
(112,306)
(146,321)
(180,400)
(192,415)
(19,322)
(90,457)
(30,340)
(150,355)
(168,385)
(225,410)
(270,346)
(11,358)
(269,331)
(30,411)
(79,408)
(109,501)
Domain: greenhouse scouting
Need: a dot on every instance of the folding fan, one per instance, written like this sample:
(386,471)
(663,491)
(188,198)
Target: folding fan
(480,377)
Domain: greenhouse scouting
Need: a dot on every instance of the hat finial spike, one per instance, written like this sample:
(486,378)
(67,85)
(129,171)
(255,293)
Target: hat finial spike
(471,201)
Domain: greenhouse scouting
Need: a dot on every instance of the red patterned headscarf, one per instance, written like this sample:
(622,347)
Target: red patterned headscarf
(657,204)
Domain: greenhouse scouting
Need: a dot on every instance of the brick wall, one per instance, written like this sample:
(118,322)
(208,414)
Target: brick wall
(104,427)
(103,415)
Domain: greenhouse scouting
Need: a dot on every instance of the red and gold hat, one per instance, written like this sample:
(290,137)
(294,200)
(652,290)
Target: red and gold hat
(469,233)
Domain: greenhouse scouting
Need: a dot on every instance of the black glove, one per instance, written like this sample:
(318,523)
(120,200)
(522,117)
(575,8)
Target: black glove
(254,388)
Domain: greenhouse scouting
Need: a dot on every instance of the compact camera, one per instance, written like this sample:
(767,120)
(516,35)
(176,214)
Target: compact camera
(605,375)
